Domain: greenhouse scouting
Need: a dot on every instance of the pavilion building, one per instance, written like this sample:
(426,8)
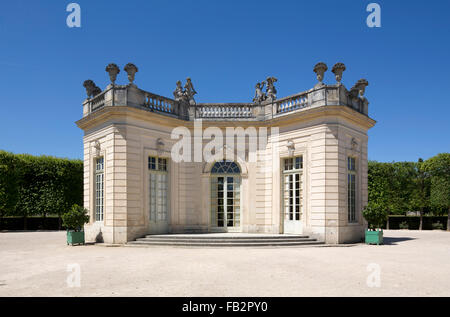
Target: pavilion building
(302,169)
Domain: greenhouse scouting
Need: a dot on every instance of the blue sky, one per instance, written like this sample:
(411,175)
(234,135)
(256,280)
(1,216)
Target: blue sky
(225,47)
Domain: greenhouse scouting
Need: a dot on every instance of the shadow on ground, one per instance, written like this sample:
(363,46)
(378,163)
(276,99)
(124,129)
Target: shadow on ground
(396,240)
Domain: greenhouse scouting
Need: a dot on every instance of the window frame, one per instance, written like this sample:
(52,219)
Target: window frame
(157,165)
(352,192)
(293,168)
(99,209)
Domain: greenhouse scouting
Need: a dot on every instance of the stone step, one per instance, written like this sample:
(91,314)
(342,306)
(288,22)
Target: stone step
(225,240)
(221,237)
(224,244)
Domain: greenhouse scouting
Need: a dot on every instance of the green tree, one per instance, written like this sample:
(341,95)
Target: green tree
(420,195)
(375,214)
(402,186)
(439,169)
(76,218)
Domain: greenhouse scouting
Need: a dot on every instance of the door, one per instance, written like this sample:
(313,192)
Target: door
(292,195)
(158,195)
(226,197)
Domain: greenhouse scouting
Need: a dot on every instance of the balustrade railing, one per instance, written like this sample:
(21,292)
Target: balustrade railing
(221,111)
(292,103)
(98,101)
(322,96)
(159,103)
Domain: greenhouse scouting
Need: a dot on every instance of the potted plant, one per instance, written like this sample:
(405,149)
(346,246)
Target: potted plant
(375,215)
(74,221)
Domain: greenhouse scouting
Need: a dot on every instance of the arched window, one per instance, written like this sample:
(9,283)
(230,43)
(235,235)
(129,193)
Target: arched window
(225,167)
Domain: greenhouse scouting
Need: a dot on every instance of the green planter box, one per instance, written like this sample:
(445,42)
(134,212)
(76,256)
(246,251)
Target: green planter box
(75,237)
(374,237)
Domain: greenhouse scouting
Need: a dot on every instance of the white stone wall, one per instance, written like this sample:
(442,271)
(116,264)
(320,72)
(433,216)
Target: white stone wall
(324,141)
(112,147)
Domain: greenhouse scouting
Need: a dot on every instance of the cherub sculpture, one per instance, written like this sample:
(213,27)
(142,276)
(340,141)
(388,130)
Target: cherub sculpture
(271,91)
(260,96)
(189,91)
(186,95)
(179,93)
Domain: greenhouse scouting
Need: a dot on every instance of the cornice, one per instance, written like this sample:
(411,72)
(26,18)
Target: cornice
(122,113)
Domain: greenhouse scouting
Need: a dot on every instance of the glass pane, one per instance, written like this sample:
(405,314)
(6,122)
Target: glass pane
(152,163)
(299,162)
(225,167)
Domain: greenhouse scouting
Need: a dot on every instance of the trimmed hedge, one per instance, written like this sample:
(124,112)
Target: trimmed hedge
(38,186)
(414,222)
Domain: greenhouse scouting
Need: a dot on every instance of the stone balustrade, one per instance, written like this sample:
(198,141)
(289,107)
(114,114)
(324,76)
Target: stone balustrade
(159,103)
(98,101)
(224,111)
(327,95)
(265,105)
(291,103)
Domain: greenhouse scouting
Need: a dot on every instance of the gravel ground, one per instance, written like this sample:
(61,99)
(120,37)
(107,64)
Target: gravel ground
(412,263)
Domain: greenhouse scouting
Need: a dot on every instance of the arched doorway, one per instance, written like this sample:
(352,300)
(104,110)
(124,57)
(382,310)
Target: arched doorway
(226,196)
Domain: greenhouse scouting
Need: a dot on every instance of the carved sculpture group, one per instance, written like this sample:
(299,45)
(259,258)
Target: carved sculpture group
(271,91)
(186,95)
(91,88)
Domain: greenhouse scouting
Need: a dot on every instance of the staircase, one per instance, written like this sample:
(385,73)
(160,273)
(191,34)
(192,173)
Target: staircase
(225,240)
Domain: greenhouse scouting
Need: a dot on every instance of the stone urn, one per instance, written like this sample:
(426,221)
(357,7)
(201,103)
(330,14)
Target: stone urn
(320,70)
(337,70)
(112,70)
(131,70)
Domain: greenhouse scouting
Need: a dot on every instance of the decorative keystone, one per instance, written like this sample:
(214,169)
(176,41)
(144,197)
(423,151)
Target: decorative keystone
(337,70)
(320,70)
(112,70)
(131,70)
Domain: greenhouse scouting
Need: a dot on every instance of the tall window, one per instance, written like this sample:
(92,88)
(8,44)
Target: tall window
(99,188)
(292,172)
(351,190)
(158,181)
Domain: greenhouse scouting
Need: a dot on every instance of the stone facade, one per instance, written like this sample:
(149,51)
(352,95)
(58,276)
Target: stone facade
(326,125)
